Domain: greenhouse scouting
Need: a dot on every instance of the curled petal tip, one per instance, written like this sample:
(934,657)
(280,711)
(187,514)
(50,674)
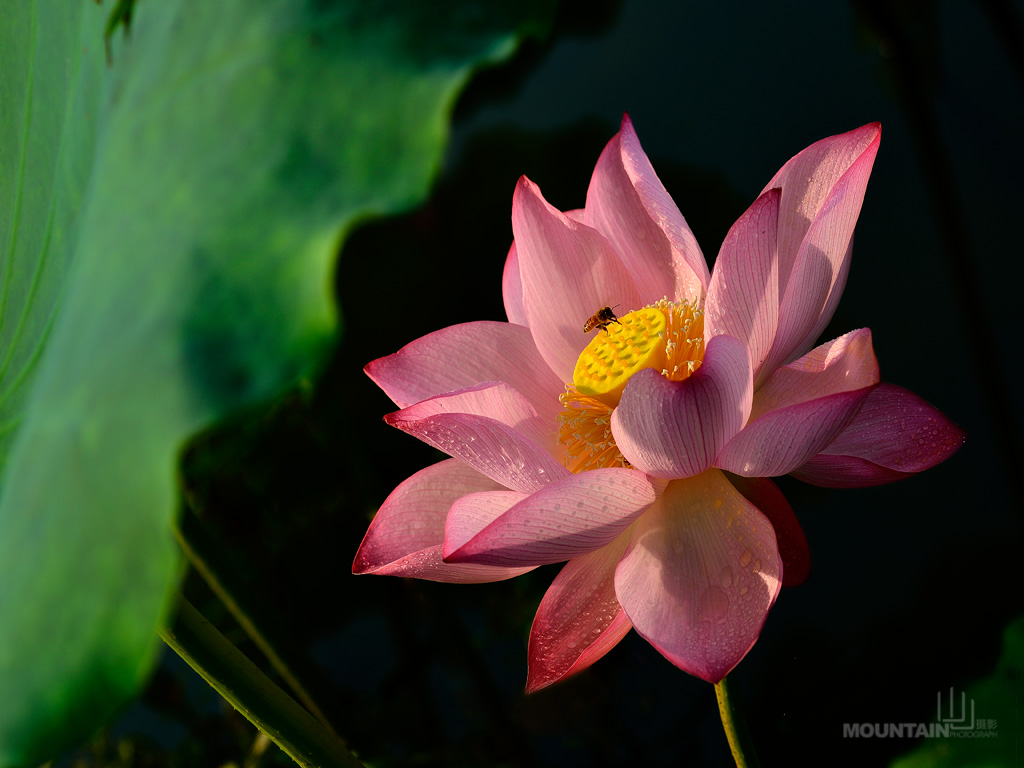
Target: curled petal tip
(871,129)
(523,187)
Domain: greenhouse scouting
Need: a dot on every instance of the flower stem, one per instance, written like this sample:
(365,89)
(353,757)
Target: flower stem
(203,555)
(300,735)
(735,728)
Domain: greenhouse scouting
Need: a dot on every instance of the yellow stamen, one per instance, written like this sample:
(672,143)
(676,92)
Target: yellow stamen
(684,345)
(584,428)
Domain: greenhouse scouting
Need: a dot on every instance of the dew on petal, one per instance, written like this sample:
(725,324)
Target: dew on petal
(726,577)
(713,605)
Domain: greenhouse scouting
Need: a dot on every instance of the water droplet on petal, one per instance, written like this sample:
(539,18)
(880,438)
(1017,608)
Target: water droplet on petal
(746,557)
(726,577)
(713,605)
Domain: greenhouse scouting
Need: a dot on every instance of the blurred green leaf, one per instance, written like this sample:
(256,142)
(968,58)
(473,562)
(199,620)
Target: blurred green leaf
(994,742)
(169,225)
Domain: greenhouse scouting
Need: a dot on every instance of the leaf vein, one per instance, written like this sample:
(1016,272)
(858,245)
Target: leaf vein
(8,265)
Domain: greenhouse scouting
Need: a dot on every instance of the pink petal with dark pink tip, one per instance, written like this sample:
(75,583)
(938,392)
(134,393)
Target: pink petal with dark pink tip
(628,204)
(673,429)
(579,620)
(405,536)
(466,355)
(568,272)
(822,264)
(802,407)
(688,264)
(493,429)
(793,547)
(700,575)
(895,435)
(808,179)
(743,299)
(811,279)
(563,520)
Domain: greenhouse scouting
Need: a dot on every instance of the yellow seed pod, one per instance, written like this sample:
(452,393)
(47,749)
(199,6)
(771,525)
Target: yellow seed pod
(636,341)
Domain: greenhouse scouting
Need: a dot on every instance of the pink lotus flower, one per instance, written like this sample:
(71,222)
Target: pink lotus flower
(640,453)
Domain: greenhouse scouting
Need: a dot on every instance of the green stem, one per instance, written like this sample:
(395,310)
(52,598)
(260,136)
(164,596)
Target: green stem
(202,554)
(257,697)
(735,728)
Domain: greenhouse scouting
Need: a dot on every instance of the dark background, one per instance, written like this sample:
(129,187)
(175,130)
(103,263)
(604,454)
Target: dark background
(913,583)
